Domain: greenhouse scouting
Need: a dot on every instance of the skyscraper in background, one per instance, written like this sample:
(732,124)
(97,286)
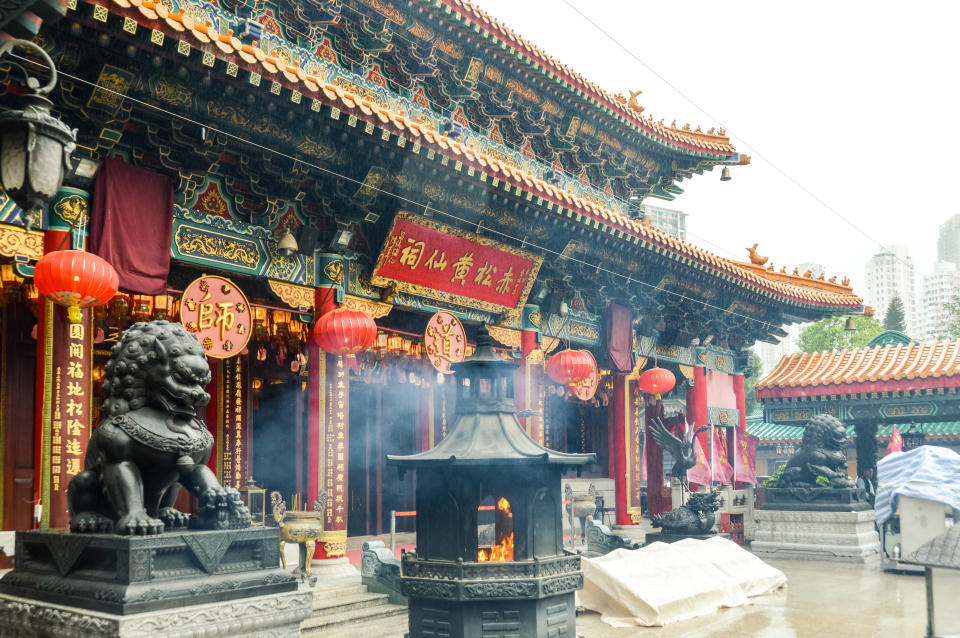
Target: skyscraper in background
(890,274)
(938,288)
(948,244)
(673,222)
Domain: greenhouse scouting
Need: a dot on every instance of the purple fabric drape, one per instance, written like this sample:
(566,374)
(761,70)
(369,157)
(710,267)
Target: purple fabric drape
(130,225)
(620,338)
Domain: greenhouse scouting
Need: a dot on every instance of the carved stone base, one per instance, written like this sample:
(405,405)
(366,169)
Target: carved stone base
(837,536)
(600,540)
(131,574)
(275,615)
(816,499)
(553,616)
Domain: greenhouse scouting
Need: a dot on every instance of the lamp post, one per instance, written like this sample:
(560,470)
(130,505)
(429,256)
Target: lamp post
(35,146)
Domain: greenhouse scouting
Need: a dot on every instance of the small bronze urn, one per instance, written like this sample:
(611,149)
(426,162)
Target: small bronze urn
(489,558)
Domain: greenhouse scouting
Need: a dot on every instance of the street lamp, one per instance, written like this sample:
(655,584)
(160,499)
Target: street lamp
(35,146)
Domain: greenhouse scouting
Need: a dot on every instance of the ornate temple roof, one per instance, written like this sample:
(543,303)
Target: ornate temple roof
(490,27)
(877,369)
(592,212)
(597,212)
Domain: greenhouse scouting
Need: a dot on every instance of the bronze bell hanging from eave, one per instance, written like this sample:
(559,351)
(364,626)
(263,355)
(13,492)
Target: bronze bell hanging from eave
(850,325)
(725,174)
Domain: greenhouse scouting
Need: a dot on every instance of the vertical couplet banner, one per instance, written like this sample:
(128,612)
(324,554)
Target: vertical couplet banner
(233,446)
(69,348)
(337,395)
(634,450)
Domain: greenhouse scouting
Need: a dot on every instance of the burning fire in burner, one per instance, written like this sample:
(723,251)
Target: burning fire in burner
(504,550)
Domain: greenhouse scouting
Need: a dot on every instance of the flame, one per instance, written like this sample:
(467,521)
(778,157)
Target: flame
(503,551)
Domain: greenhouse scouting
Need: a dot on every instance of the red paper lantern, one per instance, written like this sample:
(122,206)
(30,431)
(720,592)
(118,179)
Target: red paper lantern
(75,278)
(570,367)
(344,331)
(657,381)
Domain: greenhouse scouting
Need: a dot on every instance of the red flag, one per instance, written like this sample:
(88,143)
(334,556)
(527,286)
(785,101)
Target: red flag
(746,469)
(700,473)
(896,442)
(722,471)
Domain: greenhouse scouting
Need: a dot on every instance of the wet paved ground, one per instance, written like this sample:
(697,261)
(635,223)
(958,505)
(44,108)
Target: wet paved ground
(822,600)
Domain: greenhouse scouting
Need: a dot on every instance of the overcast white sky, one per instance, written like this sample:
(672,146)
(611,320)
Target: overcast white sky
(855,100)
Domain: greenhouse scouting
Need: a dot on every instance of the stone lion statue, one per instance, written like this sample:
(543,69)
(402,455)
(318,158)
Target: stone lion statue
(822,453)
(150,441)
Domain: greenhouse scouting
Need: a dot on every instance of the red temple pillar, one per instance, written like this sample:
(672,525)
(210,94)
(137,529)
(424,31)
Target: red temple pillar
(328,396)
(63,374)
(529,383)
(697,404)
(620,428)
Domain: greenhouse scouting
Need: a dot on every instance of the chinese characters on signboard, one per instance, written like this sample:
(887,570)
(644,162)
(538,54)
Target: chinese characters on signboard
(233,443)
(335,436)
(217,312)
(435,262)
(445,341)
(70,405)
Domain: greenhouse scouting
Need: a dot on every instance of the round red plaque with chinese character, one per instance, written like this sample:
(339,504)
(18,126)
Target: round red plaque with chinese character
(445,341)
(217,312)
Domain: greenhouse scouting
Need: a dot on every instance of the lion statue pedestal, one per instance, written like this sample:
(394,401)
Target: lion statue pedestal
(131,563)
(812,509)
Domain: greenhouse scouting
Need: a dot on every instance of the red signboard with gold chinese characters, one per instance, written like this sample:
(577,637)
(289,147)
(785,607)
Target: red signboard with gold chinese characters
(68,373)
(444,341)
(446,264)
(217,312)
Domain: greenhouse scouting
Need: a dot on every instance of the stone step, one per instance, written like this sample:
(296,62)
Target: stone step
(338,604)
(339,591)
(328,621)
(389,627)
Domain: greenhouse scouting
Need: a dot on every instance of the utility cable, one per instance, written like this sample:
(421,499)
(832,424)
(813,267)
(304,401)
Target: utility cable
(752,148)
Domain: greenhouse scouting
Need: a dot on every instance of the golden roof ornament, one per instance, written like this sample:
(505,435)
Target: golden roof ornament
(755,257)
(633,105)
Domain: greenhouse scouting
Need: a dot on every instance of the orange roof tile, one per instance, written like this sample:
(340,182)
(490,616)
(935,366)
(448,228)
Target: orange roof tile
(865,365)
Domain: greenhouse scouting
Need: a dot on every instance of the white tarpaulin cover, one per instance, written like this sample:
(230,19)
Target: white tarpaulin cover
(929,472)
(663,583)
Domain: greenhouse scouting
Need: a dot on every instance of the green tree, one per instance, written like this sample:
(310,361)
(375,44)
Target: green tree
(830,334)
(894,319)
(952,323)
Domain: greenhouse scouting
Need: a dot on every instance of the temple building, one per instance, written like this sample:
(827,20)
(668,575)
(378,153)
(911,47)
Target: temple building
(250,167)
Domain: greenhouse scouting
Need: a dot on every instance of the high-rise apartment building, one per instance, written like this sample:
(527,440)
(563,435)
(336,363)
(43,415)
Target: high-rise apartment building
(890,274)
(668,220)
(948,244)
(938,288)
